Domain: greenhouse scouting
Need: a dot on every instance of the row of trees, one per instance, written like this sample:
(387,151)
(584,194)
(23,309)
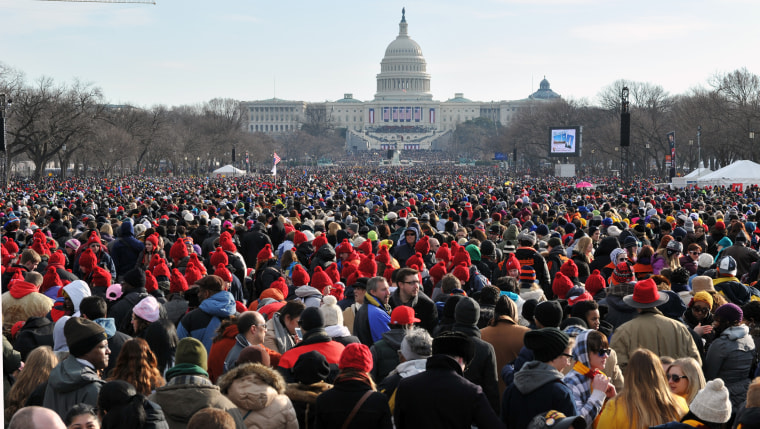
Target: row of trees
(727,112)
(73,125)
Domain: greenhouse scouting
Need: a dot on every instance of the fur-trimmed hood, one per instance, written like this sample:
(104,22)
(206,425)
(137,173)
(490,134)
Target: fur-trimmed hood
(265,374)
(306,393)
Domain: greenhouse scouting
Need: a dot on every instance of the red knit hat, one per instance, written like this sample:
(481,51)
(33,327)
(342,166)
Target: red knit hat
(332,271)
(93,239)
(569,269)
(177,283)
(423,245)
(51,279)
(319,242)
(218,256)
(280,286)
(383,255)
(40,246)
(513,263)
(57,259)
(595,282)
(388,273)
(320,279)
(443,253)
(11,246)
(223,272)
(347,270)
(154,260)
(178,251)
(462,256)
(368,266)
(300,276)
(585,296)
(462,272)
(337,290)
(299,237)
(265,254)
(225,241)
(415,259)
(356,356)
(365,247)
(151,285)
(720,226)
(344,247)
(153,239)
(161,269)
(622,274)
(194,261)
(192,274)
(561,285)
(88,260)
(438,271)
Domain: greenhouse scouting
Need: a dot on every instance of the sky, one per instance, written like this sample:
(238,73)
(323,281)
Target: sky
(180,52)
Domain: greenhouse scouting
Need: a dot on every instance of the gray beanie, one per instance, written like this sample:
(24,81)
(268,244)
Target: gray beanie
(467,312)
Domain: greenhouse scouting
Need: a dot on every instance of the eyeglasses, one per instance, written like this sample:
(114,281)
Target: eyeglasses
(604,352)
(700,309)
(568,356)
(675,378)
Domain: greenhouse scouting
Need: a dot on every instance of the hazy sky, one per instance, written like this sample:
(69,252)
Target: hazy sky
(188,51)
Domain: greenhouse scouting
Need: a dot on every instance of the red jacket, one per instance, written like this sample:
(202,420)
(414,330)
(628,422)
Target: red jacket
(219,351)
(331,350)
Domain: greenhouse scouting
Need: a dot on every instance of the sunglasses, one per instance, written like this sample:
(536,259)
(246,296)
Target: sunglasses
(694,253)
(410,234)
(675,378)
(604,352)
(700,309)
(567,355)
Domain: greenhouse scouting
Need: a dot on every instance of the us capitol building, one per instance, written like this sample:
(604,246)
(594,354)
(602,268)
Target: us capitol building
(403,114)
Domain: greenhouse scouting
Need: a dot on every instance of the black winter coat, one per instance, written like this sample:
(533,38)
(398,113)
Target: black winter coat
(334,406)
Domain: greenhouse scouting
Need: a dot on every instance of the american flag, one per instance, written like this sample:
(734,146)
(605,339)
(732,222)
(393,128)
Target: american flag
(277,159)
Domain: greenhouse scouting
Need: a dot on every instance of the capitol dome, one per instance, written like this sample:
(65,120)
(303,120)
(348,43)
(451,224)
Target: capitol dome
(544,91)
(403,70)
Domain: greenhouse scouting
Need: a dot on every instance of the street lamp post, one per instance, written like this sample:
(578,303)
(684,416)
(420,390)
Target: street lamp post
(5,104)
(699,145)
(691,144)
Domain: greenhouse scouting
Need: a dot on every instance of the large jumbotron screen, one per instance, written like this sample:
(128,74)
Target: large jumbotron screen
(565,141)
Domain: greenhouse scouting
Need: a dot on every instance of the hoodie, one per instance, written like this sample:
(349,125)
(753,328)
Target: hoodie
(309,295)
(588,403)
(202,322)
(71,383)
(77,291)
(126,249)
(537,388)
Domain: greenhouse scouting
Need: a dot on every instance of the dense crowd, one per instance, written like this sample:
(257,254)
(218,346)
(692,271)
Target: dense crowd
(381,297)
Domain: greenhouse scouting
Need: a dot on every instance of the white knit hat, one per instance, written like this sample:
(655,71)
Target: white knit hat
(331,311)
(711,403)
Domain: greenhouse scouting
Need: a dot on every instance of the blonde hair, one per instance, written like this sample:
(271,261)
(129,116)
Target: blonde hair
(694,376)
(36,370)
(585,246)
(106,229)
(646,397)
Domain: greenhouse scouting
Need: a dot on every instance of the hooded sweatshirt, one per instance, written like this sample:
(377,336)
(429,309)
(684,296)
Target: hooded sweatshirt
(77,291)
(537,388)
(202,322)
(588,403)
(71,383)
(309,295)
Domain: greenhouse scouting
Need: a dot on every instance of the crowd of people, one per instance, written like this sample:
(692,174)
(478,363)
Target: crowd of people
(446,297)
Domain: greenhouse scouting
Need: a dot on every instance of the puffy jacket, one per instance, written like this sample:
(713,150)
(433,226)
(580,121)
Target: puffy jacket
(71,383)
(730,358)
(258,392)
(184,396)
(202,322)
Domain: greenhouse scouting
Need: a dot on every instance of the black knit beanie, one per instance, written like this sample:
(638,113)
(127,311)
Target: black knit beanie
(547,343)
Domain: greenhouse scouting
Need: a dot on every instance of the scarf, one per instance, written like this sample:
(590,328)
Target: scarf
(585,371)
(354,375)
(185,369)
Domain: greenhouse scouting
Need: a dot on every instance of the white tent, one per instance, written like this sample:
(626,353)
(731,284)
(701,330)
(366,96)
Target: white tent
(691,178)
(743,172)
(228,171)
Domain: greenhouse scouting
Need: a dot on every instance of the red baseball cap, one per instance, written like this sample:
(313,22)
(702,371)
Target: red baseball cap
(403,315)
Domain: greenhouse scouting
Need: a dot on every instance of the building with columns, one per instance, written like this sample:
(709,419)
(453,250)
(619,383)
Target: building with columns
(403,114)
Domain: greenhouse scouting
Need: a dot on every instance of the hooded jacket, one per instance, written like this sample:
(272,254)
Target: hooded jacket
(258,392)
(538,387)
(730,358)
(588,403)
(71,383)
(385,353)
(309,295)
(183,396)
(202,322)
(126,249)
(23,301)
(371,320)
(403,250)
(322,257)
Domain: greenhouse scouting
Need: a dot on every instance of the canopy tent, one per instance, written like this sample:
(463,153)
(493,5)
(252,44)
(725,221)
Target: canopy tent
(228,171)
(691,178)
(744,173)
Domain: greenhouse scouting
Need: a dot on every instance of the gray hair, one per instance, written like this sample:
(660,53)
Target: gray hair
(374,283)
(417,344)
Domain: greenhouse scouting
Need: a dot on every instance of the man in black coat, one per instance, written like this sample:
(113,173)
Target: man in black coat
(431,390)
(252,242)
(408,293)
(133,291)
(482,369)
